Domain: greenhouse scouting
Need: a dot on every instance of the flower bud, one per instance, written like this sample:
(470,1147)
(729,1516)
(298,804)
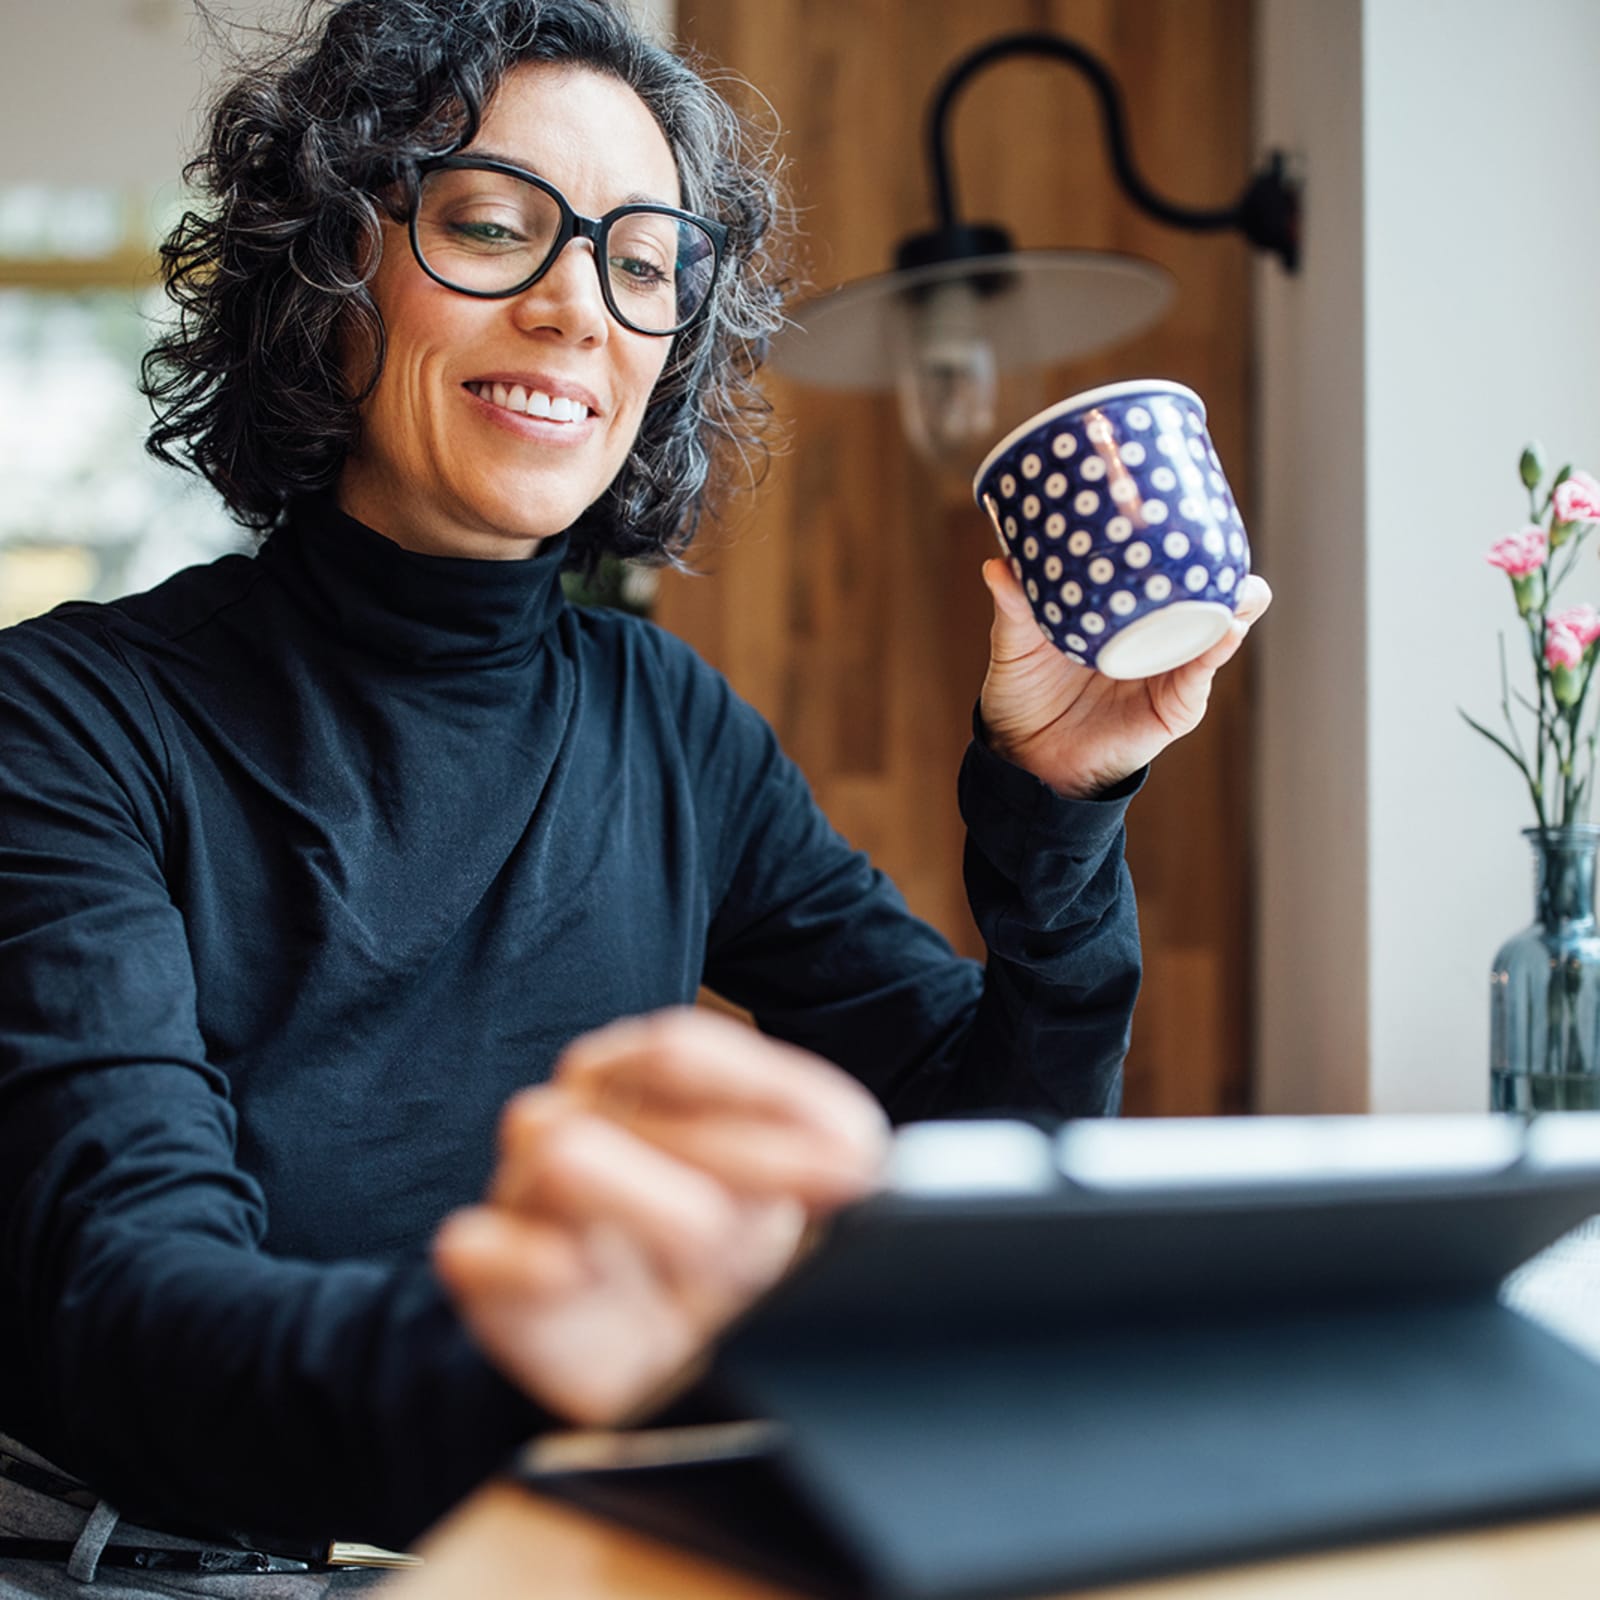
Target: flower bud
(1519,553)
(1581,621)
(1566,683)
(1577,498)
(1562,650)
(1532,465)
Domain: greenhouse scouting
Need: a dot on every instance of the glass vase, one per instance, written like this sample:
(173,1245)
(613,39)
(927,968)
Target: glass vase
(1544,988)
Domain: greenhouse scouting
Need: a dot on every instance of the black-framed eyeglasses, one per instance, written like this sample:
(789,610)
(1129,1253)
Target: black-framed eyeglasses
(491,230)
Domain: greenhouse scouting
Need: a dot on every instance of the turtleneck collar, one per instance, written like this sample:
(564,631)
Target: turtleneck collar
(440,612)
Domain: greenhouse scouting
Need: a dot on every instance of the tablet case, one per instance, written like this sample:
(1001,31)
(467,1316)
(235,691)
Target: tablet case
(1024,1395)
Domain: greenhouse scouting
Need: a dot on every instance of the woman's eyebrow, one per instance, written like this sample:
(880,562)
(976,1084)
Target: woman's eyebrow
(637,198)
(482,153)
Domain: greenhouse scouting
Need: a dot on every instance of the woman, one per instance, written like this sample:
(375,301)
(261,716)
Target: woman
(312,864)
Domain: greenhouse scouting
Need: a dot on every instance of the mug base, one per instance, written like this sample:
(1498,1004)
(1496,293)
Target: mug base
(1164,639)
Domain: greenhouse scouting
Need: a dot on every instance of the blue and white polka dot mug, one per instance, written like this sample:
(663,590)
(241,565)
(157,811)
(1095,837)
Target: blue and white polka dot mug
(1114,513)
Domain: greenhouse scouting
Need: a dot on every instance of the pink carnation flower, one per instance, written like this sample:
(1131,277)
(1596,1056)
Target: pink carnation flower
(1519,553)
(1577,499)
(1582,622)
(1561,649)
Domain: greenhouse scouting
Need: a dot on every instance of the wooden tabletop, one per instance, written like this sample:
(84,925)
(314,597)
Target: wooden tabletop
(507,1544)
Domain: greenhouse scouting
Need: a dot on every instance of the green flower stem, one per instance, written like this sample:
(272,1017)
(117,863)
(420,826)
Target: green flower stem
(1550,493)
(1518,755)
(1559,764)
(1575,796)
(1516,760)
(1544,727)
(1572,549)
(1521,756)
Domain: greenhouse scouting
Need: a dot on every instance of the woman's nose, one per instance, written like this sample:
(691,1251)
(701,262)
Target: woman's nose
(567,299)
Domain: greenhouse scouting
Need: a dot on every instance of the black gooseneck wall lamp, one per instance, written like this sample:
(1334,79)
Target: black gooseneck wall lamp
(964,304)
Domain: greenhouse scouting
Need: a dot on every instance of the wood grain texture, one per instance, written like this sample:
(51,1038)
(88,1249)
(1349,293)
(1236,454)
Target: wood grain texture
(507,1544)
(843,598)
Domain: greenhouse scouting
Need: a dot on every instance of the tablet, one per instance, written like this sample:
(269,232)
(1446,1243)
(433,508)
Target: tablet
(1038,1359)
(986,1227)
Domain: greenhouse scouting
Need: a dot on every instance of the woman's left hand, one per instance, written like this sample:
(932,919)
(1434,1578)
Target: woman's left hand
(660,1181)
(1072,728)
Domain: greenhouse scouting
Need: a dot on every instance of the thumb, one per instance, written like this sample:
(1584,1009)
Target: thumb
(1015,632)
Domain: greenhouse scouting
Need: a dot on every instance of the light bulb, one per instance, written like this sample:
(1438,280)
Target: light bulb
(947,374)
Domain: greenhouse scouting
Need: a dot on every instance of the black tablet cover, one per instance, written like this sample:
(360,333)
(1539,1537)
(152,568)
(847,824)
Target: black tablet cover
(1006,1393)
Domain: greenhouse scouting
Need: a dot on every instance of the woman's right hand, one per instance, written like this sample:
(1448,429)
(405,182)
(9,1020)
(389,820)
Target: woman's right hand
(660,1182)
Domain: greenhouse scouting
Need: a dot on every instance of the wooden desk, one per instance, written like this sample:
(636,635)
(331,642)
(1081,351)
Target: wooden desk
(506,1544)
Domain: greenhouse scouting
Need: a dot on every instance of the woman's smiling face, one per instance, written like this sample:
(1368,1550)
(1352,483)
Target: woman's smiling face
(444,464)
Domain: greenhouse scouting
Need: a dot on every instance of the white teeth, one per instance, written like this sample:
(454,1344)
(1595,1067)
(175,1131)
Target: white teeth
(531,402)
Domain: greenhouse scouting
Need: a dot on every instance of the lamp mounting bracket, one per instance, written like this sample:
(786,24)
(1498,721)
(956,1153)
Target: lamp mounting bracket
(1267,213)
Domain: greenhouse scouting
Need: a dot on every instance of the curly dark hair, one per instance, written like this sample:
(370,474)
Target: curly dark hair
(307,148)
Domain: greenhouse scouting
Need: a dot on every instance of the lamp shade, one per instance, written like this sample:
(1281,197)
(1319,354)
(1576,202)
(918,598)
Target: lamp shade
(1031,307)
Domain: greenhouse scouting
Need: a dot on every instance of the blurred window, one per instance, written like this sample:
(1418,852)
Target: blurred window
(85,512)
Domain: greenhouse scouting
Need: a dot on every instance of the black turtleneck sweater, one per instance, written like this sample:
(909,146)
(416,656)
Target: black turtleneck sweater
(308,861)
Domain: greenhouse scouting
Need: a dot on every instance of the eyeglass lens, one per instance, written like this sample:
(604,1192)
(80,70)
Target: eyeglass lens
(489,232)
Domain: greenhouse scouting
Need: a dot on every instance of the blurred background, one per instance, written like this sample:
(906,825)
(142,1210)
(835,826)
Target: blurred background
(1326,868)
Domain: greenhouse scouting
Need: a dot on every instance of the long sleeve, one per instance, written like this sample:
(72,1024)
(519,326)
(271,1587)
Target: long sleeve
(822,950)
(1051,894)
(166,1355)
(307,864)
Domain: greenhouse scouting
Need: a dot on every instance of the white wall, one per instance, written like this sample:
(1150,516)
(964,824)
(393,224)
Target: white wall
(1448,312)
(1309,539)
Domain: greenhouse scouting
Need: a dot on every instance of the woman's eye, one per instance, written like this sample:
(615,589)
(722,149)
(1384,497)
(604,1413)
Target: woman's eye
(484,232)
(637,272)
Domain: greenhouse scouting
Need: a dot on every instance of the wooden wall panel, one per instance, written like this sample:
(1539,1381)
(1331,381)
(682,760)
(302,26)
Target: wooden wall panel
(843,598)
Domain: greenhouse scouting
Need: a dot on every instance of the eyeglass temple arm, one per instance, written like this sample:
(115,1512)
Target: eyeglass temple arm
(1267,213)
